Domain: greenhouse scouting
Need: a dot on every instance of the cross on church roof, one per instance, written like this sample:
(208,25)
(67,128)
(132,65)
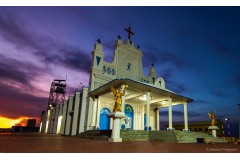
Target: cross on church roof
(129,32)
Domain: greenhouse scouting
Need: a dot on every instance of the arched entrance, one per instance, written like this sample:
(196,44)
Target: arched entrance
(128,109)
(104,120)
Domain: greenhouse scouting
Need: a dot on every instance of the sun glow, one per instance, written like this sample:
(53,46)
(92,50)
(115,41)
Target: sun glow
(9,122)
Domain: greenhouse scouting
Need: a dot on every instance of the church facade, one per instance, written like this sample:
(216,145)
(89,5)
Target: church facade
(89,108)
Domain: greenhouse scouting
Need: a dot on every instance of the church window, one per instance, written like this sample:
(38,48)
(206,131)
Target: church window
(153,80)
(127,108)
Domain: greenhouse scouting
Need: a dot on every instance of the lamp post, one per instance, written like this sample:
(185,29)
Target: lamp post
(228,119)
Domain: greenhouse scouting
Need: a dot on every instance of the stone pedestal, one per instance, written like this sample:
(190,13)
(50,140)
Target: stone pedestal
(214,130)
(117,116)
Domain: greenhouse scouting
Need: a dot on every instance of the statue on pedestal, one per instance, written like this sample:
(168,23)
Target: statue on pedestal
(212,117)
(118,98)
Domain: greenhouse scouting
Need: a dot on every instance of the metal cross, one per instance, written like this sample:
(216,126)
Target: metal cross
(129,32)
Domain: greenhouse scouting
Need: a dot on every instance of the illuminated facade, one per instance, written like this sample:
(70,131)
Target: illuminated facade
(89,108)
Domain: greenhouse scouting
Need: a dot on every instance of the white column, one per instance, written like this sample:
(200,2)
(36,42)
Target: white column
(51,120)
(157,112)
(75,114)
(159,118)
(40,127)
(83,110)
(185,117)
(170,114)
(148,111)
(56,109)
(47,123)
(64,118)
(94,112)
(68,116)
(98,112)
(142,117)
(123,97)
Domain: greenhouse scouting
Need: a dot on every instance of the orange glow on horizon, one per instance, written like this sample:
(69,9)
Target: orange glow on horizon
(9,122)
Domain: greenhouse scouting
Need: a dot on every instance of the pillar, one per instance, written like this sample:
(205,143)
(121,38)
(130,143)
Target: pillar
(170,127)
(59,123)
(68,116)
(143,117)
(47,122)
(51,120)
(75,114)
(98,113)
(185,117)
(157,112)
(148,111)
(94,114)
(123,102)
(83,109)
(56,110)
(64,114)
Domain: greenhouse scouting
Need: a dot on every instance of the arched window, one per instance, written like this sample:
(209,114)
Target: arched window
(128,109)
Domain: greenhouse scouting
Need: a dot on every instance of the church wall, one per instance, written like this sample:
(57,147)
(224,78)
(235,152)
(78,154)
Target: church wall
(55,122)
(75,114)
(43,121)
(68,116)
(83,110)
(64,118)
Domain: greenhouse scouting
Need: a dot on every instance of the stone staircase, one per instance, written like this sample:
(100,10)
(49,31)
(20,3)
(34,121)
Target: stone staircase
(140,135)
(134,135)
(191,137)
(96,134)
(160,136)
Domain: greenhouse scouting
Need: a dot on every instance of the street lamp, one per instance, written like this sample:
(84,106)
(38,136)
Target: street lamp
(228,119)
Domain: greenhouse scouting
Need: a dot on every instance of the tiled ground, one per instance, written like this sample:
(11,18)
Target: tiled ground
(43,143)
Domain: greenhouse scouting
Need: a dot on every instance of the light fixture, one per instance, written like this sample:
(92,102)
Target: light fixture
(144,97)
(163,102)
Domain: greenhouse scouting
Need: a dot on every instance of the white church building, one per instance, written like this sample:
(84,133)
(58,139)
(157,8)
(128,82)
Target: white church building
(89,108)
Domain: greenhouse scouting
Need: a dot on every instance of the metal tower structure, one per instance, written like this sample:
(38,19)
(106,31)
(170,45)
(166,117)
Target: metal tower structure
(57,93)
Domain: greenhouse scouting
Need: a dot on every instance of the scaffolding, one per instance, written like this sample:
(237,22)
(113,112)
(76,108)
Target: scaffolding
(57,93)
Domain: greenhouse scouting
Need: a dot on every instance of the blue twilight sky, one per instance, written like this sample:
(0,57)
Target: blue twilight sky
(195,49)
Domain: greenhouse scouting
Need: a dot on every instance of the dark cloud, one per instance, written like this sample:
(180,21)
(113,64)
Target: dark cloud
(49,51)
(158,57)
(218,93)
(13,29)
(176,87)
(219,45)
(75,59)
(15,103)
(17,71)
(202,102)
(178,115)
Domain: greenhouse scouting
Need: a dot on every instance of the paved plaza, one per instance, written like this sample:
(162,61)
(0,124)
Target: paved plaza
(48,143)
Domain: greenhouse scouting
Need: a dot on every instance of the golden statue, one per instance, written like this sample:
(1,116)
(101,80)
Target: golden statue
(212,116)
(118,98)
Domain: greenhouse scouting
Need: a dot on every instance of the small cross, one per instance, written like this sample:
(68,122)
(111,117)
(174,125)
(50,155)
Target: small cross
(129,32)
(99,41)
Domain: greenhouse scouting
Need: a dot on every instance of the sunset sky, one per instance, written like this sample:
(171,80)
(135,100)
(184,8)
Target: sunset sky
(195,49)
